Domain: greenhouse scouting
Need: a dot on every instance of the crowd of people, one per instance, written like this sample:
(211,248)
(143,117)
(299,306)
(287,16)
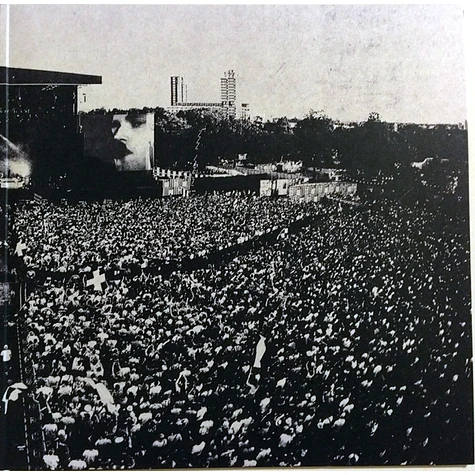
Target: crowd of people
(116,235)
(346,342)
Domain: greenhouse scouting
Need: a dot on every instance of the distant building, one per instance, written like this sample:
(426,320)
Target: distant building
(228,92)
(186,106)
(227,106)
(245,114)
(177,89)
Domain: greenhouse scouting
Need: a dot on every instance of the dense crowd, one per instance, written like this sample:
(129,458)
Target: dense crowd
(365,318)
(72,238)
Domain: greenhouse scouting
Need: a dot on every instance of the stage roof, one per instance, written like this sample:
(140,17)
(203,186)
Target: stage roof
(32,77)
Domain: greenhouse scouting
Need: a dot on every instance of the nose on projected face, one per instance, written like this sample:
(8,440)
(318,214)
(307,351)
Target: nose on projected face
(120,129)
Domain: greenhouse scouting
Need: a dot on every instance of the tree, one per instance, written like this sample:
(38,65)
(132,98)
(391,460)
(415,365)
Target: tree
(314,139)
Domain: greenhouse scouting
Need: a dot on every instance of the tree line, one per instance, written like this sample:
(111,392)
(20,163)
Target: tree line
(373,146)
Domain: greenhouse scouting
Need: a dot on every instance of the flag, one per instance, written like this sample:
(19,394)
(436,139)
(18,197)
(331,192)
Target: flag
(260,350)
(254,376)
(97,280)
(182,377)
(253,379)
(106,398)
(12,393)
(20,247)
(104,394)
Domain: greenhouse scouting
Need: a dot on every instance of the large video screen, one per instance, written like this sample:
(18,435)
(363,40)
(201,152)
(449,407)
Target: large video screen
(125,140)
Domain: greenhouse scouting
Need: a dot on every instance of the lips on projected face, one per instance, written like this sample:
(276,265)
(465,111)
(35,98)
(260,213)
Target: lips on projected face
(135,133)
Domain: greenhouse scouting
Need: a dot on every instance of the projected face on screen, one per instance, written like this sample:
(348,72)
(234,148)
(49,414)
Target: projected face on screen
(135,133)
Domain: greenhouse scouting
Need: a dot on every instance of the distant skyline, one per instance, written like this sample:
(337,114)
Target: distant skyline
(405,62)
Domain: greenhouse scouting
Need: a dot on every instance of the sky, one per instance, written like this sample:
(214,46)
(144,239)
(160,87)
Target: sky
(405,62)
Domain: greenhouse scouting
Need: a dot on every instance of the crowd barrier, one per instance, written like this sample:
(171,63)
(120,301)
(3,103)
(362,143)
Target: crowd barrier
(34,437)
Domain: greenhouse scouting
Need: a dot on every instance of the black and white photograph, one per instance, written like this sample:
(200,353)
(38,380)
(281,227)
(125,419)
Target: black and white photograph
(234,236)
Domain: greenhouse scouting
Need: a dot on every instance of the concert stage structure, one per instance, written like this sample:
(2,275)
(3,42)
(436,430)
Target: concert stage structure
(39,125)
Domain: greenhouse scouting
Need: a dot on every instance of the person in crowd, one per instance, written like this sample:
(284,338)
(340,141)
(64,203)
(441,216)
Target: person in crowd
(6,355)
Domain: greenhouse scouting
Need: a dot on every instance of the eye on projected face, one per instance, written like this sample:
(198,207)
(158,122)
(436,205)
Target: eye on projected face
(136,133)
